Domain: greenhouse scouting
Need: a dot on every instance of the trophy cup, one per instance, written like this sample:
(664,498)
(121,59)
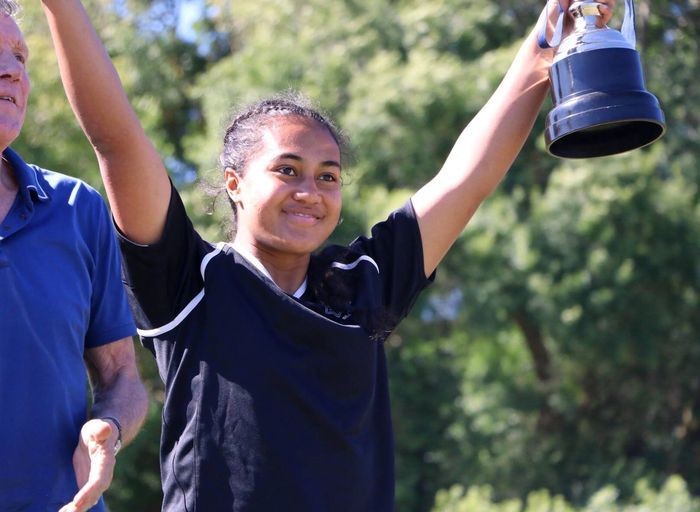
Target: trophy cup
(600,104)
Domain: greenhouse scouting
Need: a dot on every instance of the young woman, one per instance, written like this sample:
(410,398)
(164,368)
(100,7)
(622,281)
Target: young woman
(271,349)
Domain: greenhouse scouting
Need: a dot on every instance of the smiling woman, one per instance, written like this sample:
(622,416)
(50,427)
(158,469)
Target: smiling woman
(292,334)
(271,348)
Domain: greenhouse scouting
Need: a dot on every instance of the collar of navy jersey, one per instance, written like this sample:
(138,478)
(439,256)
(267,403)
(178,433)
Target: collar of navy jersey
(151,333)
(258,264)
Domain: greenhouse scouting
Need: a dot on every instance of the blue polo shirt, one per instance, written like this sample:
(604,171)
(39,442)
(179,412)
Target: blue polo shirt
(60,293)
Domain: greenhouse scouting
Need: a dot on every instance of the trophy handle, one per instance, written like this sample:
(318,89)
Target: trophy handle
(542,40)
(627,28)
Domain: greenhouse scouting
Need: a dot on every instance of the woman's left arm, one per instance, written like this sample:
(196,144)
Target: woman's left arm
(485,149)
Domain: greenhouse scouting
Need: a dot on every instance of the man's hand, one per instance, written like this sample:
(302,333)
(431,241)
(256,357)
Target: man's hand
(93,461)
(117,393)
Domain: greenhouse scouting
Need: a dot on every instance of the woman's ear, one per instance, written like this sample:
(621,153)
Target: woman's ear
(232,182)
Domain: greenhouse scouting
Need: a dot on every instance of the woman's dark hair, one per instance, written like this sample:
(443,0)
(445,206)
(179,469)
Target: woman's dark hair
(244,131)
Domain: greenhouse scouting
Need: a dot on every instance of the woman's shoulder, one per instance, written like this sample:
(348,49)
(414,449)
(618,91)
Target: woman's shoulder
(345,257)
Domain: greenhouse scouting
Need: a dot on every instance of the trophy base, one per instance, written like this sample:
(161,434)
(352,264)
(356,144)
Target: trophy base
(601,105)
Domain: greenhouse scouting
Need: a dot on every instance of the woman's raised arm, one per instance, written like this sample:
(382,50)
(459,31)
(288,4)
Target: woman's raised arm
(485,149)
(135,178)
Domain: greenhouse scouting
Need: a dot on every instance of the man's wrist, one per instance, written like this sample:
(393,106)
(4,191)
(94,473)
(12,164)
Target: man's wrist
(118,443)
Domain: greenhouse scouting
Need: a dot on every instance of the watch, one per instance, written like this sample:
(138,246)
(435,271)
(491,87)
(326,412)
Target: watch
(118,443)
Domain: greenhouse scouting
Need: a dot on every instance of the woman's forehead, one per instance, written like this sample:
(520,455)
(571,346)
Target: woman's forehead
(298,134)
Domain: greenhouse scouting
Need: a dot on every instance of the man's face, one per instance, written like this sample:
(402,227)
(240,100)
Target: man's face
(14,82)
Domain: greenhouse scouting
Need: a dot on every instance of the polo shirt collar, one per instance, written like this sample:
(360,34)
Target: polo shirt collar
(27,178)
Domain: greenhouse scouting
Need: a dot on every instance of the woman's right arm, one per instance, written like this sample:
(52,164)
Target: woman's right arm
(135,178)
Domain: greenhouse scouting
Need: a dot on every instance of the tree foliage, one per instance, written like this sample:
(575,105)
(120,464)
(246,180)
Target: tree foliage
(558,348)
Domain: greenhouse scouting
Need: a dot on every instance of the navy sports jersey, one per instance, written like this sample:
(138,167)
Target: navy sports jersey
(274,402)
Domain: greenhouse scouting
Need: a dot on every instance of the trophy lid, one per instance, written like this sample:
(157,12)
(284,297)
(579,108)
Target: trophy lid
(586,36)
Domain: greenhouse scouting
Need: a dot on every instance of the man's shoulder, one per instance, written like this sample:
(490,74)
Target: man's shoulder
(67,190)
(49,182)
(59,181)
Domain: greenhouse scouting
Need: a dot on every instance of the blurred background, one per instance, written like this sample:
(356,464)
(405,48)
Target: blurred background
(555,363)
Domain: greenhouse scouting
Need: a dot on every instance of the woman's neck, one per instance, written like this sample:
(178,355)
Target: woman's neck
(288,271)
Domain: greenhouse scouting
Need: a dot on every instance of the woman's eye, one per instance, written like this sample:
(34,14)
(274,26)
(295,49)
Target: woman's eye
(328,177)
(20,58)
(286,170)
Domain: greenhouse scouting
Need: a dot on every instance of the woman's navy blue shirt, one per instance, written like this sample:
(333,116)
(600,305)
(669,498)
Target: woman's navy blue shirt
(274,402)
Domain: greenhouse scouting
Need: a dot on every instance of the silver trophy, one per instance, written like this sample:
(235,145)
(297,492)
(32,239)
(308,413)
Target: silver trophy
(601,106)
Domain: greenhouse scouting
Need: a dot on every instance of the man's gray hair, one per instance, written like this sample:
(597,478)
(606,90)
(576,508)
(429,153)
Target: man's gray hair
(9,8)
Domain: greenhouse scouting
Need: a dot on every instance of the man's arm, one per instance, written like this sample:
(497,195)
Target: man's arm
(118,395)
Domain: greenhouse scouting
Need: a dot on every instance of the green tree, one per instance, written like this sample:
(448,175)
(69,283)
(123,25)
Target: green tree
(557,348)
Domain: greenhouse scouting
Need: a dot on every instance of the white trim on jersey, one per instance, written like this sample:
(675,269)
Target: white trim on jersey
(151,333)
(350,266)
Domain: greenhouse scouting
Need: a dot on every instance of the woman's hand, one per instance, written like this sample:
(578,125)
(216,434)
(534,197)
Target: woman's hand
(605,10)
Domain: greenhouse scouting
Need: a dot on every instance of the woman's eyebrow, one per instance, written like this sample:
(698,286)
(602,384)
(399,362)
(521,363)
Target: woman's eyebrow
(294,156)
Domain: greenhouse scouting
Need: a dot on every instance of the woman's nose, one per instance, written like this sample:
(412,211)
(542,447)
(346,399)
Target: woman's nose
(307,191)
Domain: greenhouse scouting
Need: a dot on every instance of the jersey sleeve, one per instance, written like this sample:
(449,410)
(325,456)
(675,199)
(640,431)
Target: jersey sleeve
(163,277)
(396,246)
(110,317)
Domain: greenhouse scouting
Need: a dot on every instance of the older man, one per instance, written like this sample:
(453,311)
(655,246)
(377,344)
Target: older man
(62,310)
